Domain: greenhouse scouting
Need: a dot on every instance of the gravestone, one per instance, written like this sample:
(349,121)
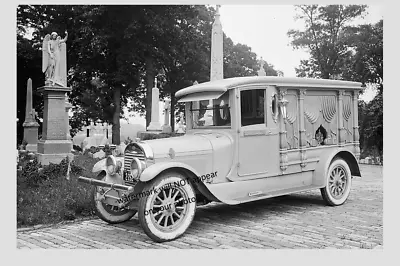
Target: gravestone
(97,135)
(261,72)
(166,128)
(154,127)
(217,67)
(54,144)
(181,126)
(217,56)
(155,119)
(30,125)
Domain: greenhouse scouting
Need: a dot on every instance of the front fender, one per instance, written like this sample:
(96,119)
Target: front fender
(321,171)
(115,178)
(153,170)
(101,165)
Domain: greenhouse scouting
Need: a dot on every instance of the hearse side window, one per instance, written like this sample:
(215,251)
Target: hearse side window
(252,107)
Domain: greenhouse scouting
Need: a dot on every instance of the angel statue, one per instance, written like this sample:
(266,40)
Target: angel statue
(55,59)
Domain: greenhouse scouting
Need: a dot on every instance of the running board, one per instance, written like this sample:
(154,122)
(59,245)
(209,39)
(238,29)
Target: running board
(245,191)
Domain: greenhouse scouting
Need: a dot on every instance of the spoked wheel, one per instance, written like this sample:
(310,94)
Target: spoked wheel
(109,213)
(338,183)
(169,210)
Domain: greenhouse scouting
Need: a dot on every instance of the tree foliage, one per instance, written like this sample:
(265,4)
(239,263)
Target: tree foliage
(366,61)
(326,37)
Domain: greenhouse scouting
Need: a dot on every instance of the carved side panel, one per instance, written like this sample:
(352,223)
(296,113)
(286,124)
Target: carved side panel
(292,121)
(330,118)
(348,118)
(312,109)
(320,111)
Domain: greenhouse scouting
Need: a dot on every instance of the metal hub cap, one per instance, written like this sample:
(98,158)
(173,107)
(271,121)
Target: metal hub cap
(338,182)
(168,208)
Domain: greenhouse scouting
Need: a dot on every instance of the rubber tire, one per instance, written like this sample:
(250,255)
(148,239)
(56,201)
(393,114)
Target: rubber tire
(144,204)
(105,215)
(325,192)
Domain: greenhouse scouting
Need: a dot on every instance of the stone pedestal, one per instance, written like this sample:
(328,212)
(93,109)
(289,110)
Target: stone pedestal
(155,110)
(31,135)
(54,145)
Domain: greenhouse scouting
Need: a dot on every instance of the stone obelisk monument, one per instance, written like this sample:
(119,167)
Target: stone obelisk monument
(217,56)
(30,125)
(155,124)
(217,39)
(54,144)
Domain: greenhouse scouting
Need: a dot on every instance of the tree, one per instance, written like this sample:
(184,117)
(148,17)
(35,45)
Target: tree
(327,37)
(373,125)
(366,61)
(366,65)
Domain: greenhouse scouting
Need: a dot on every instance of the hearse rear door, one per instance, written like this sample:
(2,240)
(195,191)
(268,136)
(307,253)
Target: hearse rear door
(258,144)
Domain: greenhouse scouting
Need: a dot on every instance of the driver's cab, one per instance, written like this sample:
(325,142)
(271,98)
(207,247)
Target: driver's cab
(248,113)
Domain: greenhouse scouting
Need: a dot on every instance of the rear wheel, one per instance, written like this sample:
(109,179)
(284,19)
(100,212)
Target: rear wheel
(109,213)
(338,183)
(168,210)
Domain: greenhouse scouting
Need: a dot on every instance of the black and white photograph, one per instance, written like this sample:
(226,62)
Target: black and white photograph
(199,126)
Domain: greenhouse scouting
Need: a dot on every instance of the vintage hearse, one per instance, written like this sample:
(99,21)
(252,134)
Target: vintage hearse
(247,138)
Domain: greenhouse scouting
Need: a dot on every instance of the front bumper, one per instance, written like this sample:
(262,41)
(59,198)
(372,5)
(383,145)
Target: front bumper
(115,195)
(96,182)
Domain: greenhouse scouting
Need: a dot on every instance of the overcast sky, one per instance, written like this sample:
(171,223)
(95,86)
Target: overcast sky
(264,28)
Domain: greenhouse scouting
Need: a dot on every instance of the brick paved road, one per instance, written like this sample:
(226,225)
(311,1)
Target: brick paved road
(299,220)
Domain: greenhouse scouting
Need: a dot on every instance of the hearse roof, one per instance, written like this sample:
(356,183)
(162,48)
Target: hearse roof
(221,86)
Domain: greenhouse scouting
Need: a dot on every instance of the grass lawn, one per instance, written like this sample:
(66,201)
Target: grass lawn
(53,198)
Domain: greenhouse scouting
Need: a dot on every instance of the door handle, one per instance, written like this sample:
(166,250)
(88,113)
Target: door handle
(255,132)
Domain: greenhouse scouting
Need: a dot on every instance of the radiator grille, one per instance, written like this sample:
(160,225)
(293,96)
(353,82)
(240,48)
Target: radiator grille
(128,157)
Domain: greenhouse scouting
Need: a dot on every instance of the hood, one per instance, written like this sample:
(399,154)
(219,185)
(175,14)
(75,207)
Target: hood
(179,146)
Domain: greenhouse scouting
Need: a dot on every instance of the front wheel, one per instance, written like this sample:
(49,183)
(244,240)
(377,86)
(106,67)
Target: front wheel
(109,213)
(338,183)
(168,208)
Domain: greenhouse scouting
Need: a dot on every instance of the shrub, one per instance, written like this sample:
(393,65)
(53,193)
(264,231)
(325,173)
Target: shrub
(46,196)
(76,169)
(30,171)
(23,144)
(161,135)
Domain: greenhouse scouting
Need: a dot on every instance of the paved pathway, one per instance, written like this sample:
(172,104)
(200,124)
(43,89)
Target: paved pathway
(299,220)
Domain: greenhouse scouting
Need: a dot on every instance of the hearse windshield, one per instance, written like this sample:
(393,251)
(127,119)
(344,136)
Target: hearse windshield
(211,113)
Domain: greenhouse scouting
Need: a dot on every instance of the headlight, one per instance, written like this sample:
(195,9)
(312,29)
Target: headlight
(111,165)
(136,168)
